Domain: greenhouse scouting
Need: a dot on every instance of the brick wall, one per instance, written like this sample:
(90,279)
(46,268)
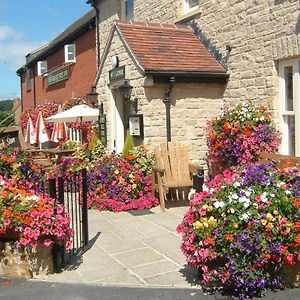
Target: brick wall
(81,74)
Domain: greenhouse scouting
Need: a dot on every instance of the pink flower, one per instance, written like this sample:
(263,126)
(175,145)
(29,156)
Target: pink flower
(48,243)
(290,259)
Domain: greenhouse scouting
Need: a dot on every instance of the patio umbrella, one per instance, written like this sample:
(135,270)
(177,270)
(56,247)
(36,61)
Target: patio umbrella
(77,113)
(60,132)
(41,130)
(30,134)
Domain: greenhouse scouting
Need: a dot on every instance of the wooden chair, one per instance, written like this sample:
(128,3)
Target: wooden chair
(172,170)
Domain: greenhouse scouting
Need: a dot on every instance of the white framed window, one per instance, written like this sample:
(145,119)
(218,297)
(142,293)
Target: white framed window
(127,10)
(190,5)
(28,80)
(42,67)
(70,53)
(289,93)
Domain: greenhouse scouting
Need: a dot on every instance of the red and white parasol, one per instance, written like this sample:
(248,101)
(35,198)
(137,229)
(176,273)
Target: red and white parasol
(60,132)
(30,134)
(41,130)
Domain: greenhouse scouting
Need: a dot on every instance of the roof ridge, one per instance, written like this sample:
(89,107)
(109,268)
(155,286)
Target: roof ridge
(152,25)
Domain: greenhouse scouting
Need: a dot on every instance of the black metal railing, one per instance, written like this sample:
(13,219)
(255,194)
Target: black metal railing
(71,192)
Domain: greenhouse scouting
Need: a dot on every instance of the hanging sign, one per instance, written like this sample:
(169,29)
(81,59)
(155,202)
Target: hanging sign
(58,76)
(117,73)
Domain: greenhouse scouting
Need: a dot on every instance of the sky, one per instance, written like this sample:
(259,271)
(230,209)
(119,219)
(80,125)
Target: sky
(26,25)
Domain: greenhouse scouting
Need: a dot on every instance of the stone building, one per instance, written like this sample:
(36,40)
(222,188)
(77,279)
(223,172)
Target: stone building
(63,69)
(257,43)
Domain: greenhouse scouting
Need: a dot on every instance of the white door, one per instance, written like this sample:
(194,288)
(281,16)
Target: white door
(117,121)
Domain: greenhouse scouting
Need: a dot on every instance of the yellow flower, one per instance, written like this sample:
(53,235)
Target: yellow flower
(131,176)
(134,186)
(263,222)
(231,210)
(235,226)
(209,208)
(275,212)
(270,226)
(212,221)
(269,217)
(117,172)
(197,225)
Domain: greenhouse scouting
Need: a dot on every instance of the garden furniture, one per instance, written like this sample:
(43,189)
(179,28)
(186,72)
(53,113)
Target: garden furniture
(172,170)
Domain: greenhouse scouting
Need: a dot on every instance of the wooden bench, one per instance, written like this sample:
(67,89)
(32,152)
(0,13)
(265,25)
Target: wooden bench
(172,170)
(279,159)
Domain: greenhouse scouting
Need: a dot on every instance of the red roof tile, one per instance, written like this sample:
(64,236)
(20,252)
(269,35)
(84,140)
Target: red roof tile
(174,48)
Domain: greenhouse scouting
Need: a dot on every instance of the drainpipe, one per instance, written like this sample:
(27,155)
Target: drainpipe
(93,4)
(34,88)
(167,102)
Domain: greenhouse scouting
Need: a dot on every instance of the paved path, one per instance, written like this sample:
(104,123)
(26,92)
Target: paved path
(133,249)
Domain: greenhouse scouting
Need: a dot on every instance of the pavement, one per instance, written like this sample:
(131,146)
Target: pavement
(136,249)
(131,255)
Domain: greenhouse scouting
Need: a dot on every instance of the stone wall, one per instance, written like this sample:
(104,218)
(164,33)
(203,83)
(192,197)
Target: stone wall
(261,33)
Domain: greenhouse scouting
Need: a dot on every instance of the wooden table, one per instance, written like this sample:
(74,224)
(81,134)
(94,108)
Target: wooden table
(56,154)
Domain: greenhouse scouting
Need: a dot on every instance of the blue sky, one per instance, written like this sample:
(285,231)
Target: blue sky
(26,25)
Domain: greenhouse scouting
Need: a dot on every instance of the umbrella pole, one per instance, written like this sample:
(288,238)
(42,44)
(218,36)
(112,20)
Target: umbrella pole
(81,133)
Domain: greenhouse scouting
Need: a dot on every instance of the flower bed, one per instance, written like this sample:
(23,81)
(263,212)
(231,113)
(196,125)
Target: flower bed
(115,182)
(239,135)
(243,230)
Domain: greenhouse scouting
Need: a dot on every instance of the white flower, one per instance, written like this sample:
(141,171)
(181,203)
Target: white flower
(236,184)
(191,194)
(243,199)
(272,195)
(235,196)
(247,204)
(218,204)
(244,216)
(205,188)
(288,192)
(33,197)
(248,193)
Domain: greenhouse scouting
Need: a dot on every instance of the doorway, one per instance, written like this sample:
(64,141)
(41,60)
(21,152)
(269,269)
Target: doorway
(120,111)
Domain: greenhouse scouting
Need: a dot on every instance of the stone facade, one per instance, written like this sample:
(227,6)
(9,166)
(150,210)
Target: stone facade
(259,34)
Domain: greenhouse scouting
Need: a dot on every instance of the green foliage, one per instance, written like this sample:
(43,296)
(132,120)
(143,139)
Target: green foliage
(6,105)
(6,119)
(128,145)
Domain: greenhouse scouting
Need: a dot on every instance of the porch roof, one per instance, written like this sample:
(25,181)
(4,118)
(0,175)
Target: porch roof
(163,48)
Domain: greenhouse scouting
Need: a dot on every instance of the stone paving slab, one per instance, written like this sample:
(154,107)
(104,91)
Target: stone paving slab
(132,249)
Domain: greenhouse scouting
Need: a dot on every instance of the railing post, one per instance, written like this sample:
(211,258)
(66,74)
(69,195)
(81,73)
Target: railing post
(198,180)
(84,208)
(52,188)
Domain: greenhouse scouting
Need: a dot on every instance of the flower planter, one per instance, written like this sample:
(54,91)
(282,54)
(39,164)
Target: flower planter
(25,264)
(291,274)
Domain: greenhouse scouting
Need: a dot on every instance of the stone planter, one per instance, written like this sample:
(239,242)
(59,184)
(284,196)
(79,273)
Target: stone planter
(291,274)
(25,264)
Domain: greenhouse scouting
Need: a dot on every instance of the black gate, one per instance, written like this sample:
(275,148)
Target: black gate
(71,192)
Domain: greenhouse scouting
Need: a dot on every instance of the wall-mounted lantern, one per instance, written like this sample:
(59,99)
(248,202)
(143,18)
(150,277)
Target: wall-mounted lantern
(125,89)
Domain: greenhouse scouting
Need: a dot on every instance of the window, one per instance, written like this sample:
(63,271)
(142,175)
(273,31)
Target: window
(41,68)
(28,80)
(289,93)
(127,9)
(70,54)
(190,5)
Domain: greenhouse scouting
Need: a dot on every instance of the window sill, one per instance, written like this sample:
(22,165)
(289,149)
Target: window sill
(190,15)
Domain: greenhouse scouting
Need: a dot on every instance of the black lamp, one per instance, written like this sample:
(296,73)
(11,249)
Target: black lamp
(92,96)
(125,89)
